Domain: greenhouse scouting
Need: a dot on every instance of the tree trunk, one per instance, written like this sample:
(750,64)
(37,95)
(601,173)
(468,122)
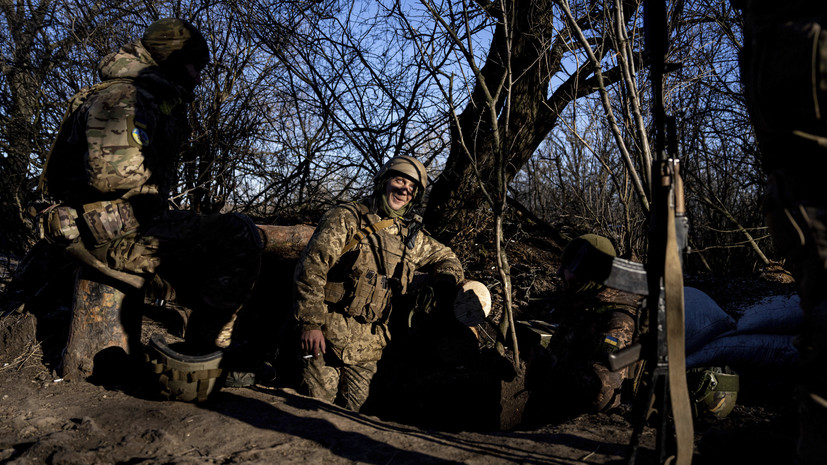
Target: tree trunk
(535,56)
(105,328)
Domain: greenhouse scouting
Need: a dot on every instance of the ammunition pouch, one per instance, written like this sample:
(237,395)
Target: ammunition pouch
(187,378)
(57,224)
(108,220)
(364,296)
(105,221)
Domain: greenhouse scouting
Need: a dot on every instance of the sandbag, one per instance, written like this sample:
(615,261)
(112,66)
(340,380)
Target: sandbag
(705,320)
(745,351)
(775,314)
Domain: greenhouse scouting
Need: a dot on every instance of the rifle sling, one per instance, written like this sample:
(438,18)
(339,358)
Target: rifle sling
(77,250)
(675,346)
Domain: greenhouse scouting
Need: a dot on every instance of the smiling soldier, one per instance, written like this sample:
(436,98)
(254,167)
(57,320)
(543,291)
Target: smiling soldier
(360,256)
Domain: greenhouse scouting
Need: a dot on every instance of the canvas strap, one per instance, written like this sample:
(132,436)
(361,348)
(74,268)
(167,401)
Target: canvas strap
(675,346)
(365,232)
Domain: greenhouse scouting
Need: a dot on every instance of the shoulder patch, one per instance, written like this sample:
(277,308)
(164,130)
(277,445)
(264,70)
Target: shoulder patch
(140,137)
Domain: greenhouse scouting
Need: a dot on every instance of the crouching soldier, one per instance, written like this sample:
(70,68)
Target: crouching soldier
(360,256)
(571,375)
(110,173)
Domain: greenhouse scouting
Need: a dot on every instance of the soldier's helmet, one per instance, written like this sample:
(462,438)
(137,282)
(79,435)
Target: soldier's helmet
(407,166)
(472,304)
(184,377)
(713,391)
(575,248)
(174,42)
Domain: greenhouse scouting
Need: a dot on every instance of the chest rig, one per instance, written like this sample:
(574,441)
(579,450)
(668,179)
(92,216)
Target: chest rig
(374,265)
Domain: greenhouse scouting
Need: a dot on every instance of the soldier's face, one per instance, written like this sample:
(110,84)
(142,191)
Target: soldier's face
(400,192)
(568,278)
(194,73)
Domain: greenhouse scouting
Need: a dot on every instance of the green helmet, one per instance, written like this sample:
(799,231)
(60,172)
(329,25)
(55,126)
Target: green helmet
(713,391)
(174,42)
(188,378)
(407,166)
(571,251)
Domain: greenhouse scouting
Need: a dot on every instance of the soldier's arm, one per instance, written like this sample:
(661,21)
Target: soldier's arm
(443,262)
(319,256)
(116,141)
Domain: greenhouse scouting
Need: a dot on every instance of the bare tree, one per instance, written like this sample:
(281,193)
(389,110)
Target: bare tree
(540,56)
(301,103)
(723,180)
(35,45)
(352,95)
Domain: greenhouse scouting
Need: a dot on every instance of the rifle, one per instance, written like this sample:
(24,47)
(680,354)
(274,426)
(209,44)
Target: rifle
(660,280)
(664,348)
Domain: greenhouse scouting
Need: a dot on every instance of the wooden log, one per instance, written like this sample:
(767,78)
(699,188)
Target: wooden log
(286,242)
(104,329)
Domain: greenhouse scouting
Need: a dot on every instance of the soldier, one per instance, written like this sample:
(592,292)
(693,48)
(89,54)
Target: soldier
(784,71)
(571,375)
(360,256)
(111,171)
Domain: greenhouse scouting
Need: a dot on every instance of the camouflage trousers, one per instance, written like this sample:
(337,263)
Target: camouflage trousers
(571,376)
(207,263)
(335,382)
(344,374)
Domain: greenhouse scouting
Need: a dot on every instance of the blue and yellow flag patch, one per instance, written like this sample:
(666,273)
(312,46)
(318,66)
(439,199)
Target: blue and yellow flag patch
(140,137)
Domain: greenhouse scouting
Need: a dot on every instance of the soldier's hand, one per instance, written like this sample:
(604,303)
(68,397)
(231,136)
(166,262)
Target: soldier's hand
(313,343)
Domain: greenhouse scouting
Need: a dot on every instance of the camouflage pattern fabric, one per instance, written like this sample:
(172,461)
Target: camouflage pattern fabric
(171,40)
(355,322)
(114,162)
(784,71)
(124,137)
(211,262)
(571,375)
(345,385)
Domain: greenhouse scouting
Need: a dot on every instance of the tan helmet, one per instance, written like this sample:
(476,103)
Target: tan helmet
(409,167)
(188,378)
(472,304)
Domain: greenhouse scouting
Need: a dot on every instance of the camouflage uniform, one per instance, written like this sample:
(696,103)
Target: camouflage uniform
(784,70)
(112,168)
(573,375)
(348,296)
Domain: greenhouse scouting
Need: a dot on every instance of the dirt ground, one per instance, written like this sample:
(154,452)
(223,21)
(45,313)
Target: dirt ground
(45,419)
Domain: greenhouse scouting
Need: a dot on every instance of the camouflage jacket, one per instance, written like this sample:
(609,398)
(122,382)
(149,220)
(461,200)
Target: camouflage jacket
(585,321)
(121,137)
(591,326)
(348,295)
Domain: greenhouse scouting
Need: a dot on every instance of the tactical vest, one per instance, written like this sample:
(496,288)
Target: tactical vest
(85,221)
(364,278)
(74,104)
